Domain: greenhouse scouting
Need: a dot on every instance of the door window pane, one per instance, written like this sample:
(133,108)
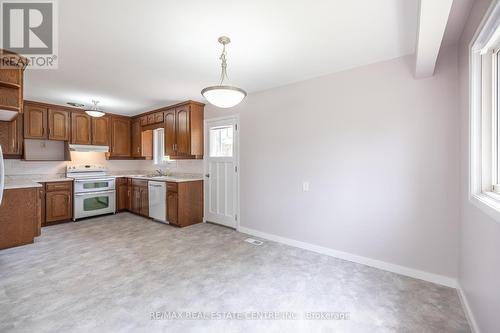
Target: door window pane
(221,141)
(95,203)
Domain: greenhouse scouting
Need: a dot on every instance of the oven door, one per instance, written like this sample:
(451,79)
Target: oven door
(94,203)
(94,185)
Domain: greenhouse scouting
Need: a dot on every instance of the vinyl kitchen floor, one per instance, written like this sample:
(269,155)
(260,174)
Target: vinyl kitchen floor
(109,274)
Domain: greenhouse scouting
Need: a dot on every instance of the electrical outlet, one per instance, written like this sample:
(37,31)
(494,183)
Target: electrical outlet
(305,187)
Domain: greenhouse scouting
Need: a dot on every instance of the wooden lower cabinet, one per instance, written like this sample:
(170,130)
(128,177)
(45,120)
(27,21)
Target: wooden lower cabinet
(184,200)
(41,209)
(185,203)
(58,202)
(140,197)
(19,214)
(172,207)
(122,194)
(144,211)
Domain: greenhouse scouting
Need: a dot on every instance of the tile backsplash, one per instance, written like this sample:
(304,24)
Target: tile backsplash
(19,167)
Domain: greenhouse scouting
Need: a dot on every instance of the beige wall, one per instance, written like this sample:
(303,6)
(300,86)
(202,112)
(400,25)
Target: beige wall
(479,273)
(380,151)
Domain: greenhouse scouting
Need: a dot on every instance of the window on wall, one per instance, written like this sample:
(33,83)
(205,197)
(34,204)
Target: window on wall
(485,117)
(159,157)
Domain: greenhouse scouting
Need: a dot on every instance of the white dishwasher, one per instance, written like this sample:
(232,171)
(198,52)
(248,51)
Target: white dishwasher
(158,200)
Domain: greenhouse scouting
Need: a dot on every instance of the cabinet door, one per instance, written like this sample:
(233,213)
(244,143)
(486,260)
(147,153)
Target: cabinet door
(16,135)
(59,124)
(136,199)
(100,131)
(35,122)
(10,138)
(144,201)
(183,132)
(136,138)
(120,136)
(172,202)
(122,195)
(42,206)
(81,125)
(58,206)
(170,133)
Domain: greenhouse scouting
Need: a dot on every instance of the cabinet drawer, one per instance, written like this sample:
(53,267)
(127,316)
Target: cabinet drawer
(172,187)
(139,182)
(58,186)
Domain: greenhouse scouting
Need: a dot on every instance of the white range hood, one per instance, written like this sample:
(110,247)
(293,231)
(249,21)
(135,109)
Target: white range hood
(89,148)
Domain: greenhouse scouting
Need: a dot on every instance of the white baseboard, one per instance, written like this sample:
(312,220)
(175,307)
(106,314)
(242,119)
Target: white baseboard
(414,273)
(468,312)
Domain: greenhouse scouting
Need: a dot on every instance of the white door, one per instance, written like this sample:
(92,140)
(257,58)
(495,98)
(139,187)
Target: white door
(221,171)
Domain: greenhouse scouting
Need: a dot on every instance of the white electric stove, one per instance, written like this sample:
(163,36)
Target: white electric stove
(93,190)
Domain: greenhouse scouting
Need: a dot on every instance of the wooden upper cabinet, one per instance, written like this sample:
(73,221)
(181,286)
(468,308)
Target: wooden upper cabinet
(11,136)
(120,136)
(100,131)
(35,122)
(11,84)
(159,117)
(81,128)
(184,131)
(169,133)
(59,124)
(136,138)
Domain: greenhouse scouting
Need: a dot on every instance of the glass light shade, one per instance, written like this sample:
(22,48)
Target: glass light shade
(94,113)
(224,96)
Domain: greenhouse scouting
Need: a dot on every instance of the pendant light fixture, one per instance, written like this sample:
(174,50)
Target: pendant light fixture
(94,110)
(223,96)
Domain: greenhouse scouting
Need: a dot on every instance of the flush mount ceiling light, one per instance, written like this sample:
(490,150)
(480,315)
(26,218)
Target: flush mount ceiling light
(223,96)
(94,110)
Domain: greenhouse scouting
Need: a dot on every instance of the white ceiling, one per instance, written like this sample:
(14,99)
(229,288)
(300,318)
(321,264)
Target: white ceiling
(135,56)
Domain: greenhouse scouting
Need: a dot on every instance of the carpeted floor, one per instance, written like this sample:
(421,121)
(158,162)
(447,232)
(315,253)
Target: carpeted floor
(124,273)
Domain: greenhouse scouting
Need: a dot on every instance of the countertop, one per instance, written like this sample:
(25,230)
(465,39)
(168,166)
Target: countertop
(13,182)
(173,178)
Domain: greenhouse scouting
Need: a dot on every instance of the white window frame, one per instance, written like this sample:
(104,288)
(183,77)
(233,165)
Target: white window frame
(159,157)
(483,110)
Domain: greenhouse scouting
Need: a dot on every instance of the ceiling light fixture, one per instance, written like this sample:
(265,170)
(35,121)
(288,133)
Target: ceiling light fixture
(76,105)
(94,110)
(223,96)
